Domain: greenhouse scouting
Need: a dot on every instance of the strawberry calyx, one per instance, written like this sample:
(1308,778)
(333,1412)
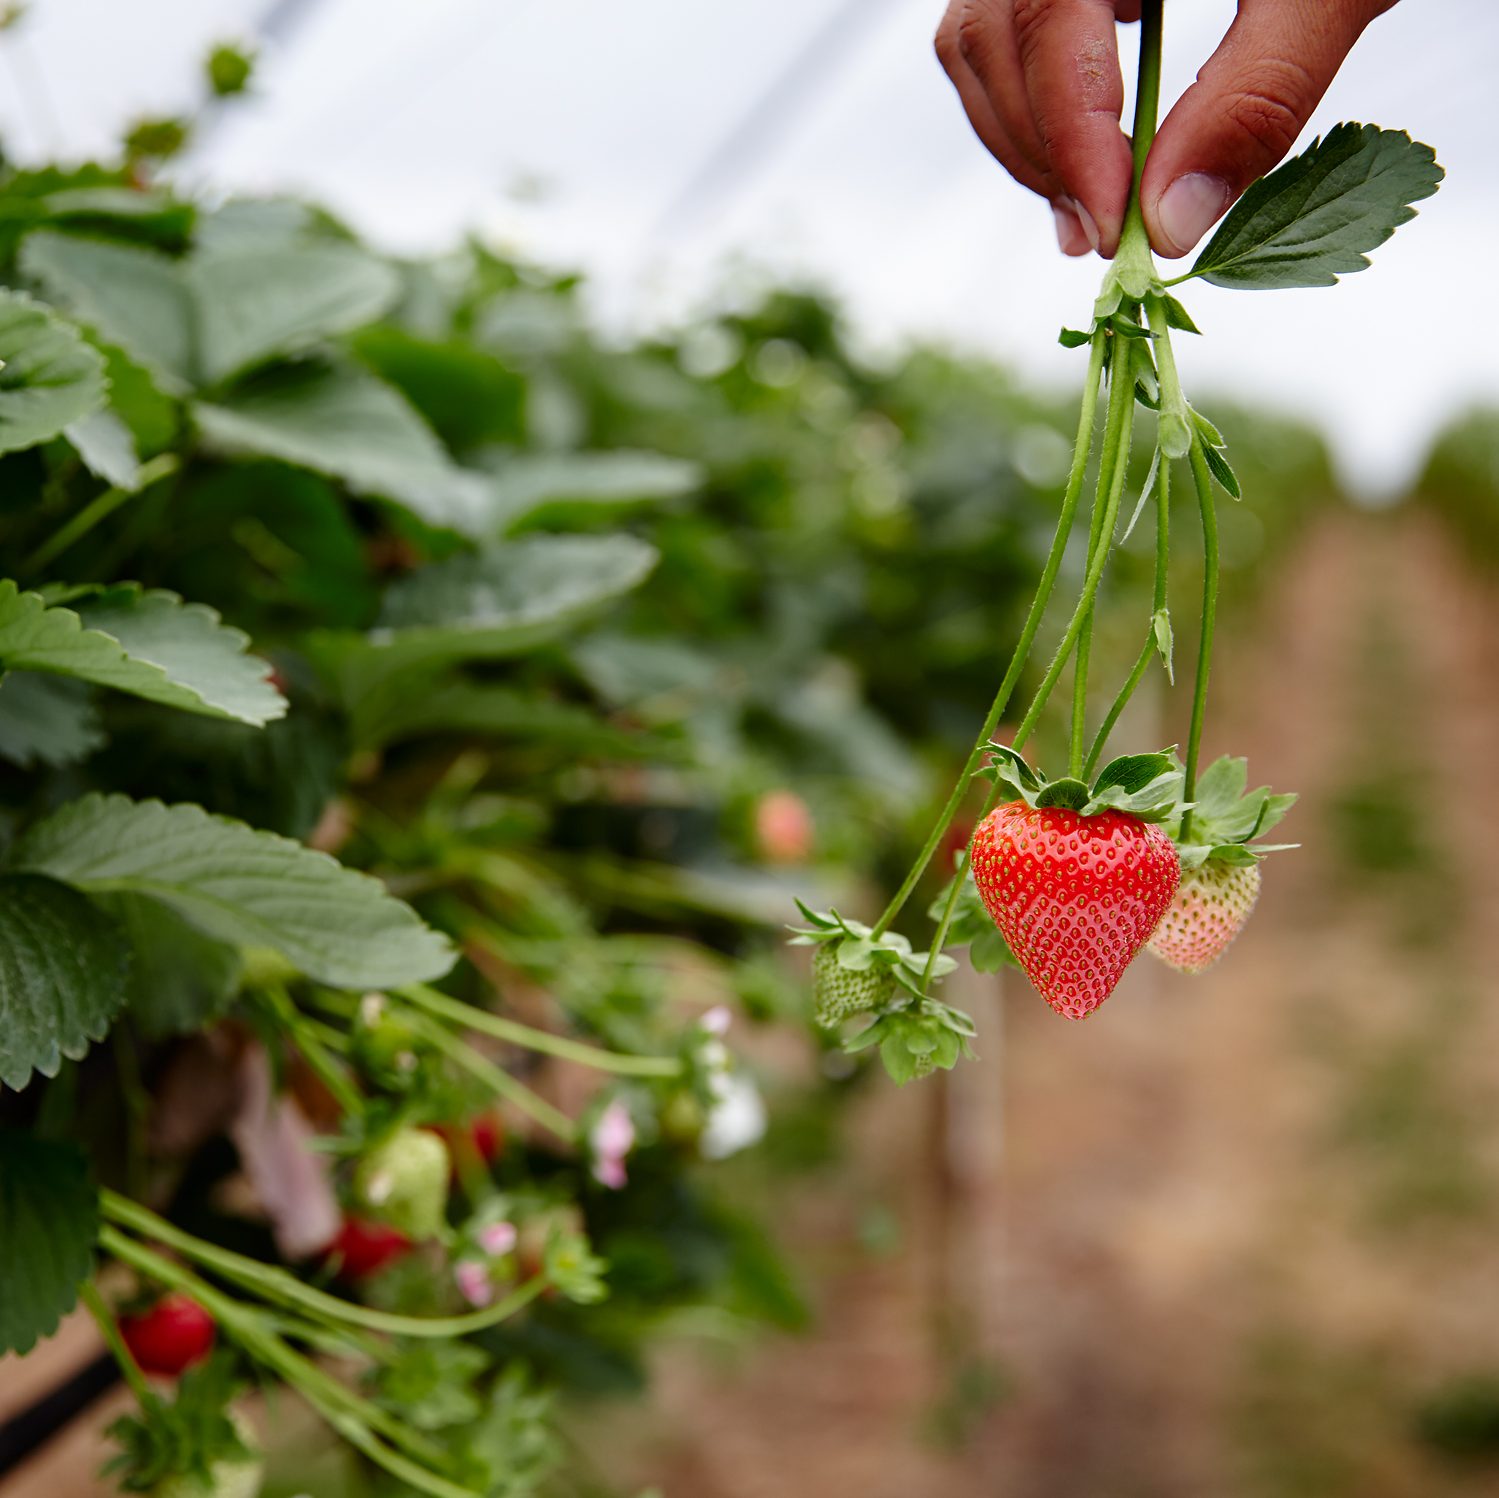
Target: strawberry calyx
(858,949)
(916,1039)
(1147,786)
(1226,819)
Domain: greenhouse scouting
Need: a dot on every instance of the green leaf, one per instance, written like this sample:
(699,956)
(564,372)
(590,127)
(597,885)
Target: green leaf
(1133,772)
(49,1219)
(350,426)
(1073,338)
(180,979)
(1218,467)
(62,976)
(280,299)
(506,599)
(467,396)
(46,720)
(107,447)
(200,320)
(149,644)
(491,711)
(1221,786)
(545,488)
(253,889)
(49,376)
(129,296)
(1314,217)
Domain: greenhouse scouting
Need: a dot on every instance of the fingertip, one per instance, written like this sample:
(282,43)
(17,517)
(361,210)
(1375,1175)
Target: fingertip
(1178,216)
(1072,237)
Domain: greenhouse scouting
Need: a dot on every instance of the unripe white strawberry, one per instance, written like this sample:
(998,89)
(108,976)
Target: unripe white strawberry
(1209,910)
(404,1182)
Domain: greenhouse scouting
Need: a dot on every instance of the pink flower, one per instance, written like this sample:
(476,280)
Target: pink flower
(716,1021)
(612,1139)
(497,1238)
(473,1282)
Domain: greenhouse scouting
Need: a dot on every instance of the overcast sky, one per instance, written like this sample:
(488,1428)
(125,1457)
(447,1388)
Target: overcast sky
(657,143)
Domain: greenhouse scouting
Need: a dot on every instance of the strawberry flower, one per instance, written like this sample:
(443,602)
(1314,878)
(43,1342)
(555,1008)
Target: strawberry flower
(612,1138)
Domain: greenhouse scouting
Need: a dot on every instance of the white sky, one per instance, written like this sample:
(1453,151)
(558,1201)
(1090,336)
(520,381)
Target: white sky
(655,143)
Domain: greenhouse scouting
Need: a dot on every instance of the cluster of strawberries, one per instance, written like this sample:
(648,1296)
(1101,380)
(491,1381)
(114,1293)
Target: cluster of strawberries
(1077,879)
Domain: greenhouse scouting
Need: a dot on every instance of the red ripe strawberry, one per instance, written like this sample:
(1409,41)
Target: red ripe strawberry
(1209,910)
(1075,896)
(169,1338)
(364,1248)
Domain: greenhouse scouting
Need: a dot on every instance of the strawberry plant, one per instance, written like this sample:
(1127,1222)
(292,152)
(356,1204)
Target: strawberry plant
(1077,876)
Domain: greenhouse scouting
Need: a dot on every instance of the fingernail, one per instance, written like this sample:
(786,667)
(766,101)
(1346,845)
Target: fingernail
(1089,227)
(1070,235)
(1189,208)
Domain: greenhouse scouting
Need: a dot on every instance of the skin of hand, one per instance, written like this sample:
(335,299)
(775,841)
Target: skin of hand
(1041,85)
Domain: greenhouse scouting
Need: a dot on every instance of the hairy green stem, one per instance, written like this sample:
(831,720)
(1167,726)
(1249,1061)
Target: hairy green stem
(304,1034)
(1111,476)
(496,1078)
(1082,448)
(88,1293)
(1158,603)
(355,1418)
(1202,479)
(277,1285)
(97,509)
(471,1018)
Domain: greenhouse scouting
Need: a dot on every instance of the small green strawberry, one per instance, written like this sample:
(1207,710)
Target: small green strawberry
(1220,866)
(838,991)
(403,1181)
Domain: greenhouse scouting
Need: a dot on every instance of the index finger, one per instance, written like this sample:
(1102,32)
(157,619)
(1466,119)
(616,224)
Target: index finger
(1070,60)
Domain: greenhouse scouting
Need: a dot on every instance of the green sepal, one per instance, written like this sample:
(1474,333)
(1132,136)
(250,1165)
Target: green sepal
(1218,467)
(916,1040)
(860,951)
(1067,792)
(1177,316)
(1151,401)
(1145,489)
(1160,624)
(1127,327)
(1073,338)
(1210,434)
(1174,435)
(1108,300)
(1147,786)
(1227,818)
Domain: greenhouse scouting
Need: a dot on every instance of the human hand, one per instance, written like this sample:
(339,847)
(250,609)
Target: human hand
(1040,82)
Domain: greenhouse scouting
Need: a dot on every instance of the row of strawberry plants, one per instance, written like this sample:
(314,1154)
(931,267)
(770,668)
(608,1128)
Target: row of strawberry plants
(324,566)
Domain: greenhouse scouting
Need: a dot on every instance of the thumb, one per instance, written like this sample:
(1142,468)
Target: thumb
(1246,109)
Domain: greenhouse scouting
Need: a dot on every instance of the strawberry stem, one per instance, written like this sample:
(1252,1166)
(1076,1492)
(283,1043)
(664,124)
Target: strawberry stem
(1081,450)
(455,1012)
(1158,603)
(1204,485)
(1111,476)
(109,1328)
